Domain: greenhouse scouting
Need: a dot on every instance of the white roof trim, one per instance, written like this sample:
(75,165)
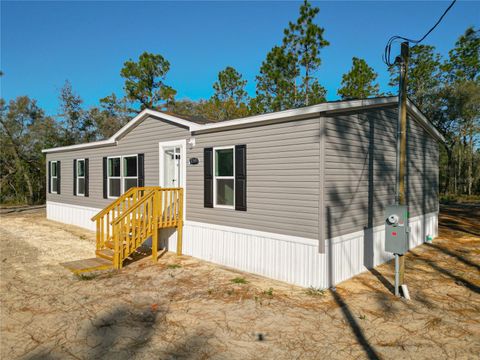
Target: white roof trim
(132,123)
(310,110)
(281,115)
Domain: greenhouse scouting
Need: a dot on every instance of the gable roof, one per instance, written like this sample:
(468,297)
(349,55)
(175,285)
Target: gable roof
(202,125)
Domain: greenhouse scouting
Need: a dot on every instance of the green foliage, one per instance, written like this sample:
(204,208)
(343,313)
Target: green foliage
(448,93)
(359,82)
(77,126)
(174,266)
(276,89)
(423,76)
(287,76)
(464,58)
(230,85)
(239,280)
(87,277)
(313,291)
(304,39)
(230,98)
(24,132)
(268,292)
(111,116)
(145,81)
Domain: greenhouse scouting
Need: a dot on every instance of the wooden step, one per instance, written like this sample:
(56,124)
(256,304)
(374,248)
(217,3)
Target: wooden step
(105,253)
(88,265)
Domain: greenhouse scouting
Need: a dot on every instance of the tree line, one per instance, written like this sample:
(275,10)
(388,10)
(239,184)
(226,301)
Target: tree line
(446,90)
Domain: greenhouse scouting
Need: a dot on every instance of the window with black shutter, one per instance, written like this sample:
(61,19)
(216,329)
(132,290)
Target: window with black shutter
(225,177)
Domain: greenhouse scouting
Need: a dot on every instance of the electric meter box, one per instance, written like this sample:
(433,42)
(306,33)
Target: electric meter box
(396,229)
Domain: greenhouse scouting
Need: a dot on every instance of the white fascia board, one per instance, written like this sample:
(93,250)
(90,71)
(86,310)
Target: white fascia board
(113,139)
(302,112)
(102,143)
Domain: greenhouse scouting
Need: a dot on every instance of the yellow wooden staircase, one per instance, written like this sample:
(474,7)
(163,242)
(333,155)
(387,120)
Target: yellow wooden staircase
(125,224)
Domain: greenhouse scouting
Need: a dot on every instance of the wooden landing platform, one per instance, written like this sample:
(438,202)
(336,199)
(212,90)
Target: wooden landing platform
(88,265)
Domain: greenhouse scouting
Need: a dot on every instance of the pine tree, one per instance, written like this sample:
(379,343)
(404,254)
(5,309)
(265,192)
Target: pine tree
(304,39)
(276,82)
(287,77)
(359,82)
(423,77)
(145,81)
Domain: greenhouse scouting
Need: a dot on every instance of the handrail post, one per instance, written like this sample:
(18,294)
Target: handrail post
(98,233)
(155,203)
(180,222)
(116,246)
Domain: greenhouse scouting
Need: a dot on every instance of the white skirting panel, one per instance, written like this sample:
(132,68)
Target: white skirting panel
(287,258)
(292,259)
(72,214)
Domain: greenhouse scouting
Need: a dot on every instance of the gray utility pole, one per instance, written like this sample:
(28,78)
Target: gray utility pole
(400,196)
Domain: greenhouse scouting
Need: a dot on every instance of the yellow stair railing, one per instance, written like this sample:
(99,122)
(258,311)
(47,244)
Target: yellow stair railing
(134,217)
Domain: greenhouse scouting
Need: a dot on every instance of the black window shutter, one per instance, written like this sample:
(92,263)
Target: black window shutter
(241,177)
(49,177)
(141,170)
(74,177)
(59,182)
(105,189)
(208,177)
(86,177)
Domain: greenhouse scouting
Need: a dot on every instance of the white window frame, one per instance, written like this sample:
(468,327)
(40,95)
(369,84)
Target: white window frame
(52,177)
(121,177)
(215,177)
(79,177)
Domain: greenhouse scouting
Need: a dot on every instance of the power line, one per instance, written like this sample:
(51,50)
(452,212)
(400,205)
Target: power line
(386,55)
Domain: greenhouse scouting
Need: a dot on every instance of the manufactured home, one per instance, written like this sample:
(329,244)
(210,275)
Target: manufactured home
(296,195)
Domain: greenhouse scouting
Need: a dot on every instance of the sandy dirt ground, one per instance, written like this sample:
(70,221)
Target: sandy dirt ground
(183,308)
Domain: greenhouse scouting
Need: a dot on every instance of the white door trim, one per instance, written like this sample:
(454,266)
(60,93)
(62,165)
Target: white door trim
(183,161)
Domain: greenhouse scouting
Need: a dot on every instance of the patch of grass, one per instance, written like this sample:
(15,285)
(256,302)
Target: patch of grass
(86,277)
(239,280)
(363,317)
(313,291)
(174,266)
(268,292)
(210,291)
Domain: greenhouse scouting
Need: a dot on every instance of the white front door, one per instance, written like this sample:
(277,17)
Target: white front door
(172,164)
(172,168)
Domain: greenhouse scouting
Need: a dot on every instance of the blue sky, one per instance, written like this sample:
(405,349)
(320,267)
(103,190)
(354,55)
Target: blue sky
(45,43)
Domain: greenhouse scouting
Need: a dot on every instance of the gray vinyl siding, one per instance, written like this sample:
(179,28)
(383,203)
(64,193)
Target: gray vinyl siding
(360,167)
(282,178)
(144,138)
(284,187)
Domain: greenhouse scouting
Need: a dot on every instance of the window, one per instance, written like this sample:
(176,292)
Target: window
(224,181)
(80,177)
(122,174)
(54,177)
